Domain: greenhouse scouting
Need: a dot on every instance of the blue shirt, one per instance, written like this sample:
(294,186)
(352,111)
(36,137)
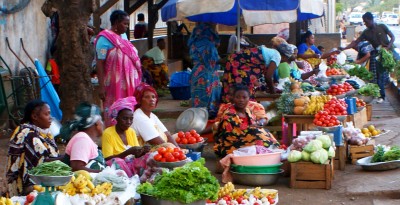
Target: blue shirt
(103,45)
(302,48)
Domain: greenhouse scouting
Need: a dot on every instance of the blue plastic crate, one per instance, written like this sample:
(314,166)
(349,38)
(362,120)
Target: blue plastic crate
(180,79)
(351,105)
(338,136)
(194,155)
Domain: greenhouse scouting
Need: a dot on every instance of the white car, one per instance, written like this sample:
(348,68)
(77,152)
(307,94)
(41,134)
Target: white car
(356,18)
(391,19)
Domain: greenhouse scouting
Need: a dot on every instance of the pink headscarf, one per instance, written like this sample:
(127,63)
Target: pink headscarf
(284,33)
(139,92)
(121,104)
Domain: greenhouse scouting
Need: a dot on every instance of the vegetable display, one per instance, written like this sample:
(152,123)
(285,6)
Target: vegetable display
(385,154)
(318,150)
(387,60)
(324,119)
(189,183)
(335,71)
(54,168)
(336,107)
(370,89)
(229,195)
(285,103)
(339,89)
(169,154)
(316,104)
(361,72)
(191,137)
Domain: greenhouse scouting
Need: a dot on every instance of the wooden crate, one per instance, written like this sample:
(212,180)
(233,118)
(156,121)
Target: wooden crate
(340,157)
(307,175)
(359,119)
(358,152)
(369,112)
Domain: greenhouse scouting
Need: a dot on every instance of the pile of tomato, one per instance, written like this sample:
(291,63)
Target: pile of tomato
(323,119)
(191,137)
(169,154)
(360,102)
(336,107)
(339,89)
(334,71)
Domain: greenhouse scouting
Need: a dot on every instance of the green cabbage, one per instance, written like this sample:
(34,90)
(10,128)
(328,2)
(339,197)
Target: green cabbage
(313,146)
(294,156)
(319,157)
(305,156)
(331,152)
(326,141)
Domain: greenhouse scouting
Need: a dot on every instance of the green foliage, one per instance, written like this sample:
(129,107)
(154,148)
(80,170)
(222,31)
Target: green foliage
(387,60)
(361,72)
(339,8)
(378,156)
(371,89)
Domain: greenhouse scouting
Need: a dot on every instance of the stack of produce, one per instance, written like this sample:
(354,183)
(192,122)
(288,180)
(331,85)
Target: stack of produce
(300,105)
(316,104)
(335,71)
(257,196)
(385,154)
(370,131)
(191,137)
(54,168)
(187,184)
(285,103)
(370,89)
(336,107)
(307,87)
(82,183)
(354,136)
(324,119)
(339,89)
(361,72)
(295,87)
(353,83)
(7,201)
(360,103)
(169,154)
(318,150)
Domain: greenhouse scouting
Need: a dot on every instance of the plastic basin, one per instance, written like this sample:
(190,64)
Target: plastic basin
(258,160)
(267,169)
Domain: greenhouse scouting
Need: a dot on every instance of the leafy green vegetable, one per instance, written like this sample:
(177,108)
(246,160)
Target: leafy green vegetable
(370,89)
(378,156)
(54,168)
(186,184)
(392,154)
(361,72)
(387,60)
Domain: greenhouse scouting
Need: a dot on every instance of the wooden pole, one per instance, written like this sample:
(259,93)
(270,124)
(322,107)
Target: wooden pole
(151,24)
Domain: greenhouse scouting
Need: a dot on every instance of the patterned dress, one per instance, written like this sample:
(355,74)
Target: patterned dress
(28,148)
(235,132)
(204,80)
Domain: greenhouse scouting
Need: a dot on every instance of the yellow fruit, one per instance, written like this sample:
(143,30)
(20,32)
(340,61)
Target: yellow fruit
(379,131)
(371,128)
(367,134)
(365,130)
(84,173)
(374,133)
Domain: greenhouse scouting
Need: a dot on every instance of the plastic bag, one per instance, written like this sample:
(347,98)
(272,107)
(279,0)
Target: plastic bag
(322,70)
(118,178)
(341,58)
(245,151)
(281,83)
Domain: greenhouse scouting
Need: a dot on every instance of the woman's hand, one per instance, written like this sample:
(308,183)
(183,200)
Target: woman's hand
(316,70)
(146,148)
(136,151)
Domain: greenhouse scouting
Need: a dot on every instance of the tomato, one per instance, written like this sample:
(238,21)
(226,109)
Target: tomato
(196,135)
(200,139)
(184,141)
(170,159)
(330,125)
(318,123)
(239,199)
(30,198)
(323,125)
(182,156)
(181,134)
(187,134)
(161,150)
(337,122)
(178,140)
(317,115)
(191,140)
(334,86)
(167,155)
(163,160)
(271,200)
(193,132)
(158,157)
(170,149)
(328,117)
(176,154)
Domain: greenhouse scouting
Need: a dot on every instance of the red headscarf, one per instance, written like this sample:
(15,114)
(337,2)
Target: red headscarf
(139,92)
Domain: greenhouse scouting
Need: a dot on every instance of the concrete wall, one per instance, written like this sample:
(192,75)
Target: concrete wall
(327,40)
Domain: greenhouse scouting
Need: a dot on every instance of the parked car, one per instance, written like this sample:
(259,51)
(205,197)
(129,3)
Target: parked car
(392,19)
(356,18)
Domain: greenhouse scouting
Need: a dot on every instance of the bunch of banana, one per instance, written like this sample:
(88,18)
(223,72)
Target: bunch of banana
(82,185)
(238,193)
(38,188)
(260,193)
(316,104)
(7,201)
(226,190)
(104,188)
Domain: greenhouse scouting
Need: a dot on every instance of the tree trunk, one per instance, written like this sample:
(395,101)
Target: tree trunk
(75,53)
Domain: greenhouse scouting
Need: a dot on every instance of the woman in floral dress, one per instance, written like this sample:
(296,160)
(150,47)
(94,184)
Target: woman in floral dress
(205,87)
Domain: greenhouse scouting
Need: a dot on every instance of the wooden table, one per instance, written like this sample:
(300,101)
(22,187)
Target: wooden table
(262,96)
(302,123)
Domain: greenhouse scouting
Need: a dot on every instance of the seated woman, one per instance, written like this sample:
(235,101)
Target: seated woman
(82,152)
(153,61)
(288,66)
(119,141)
(148,127)
(238,128)
(30,145)
(309,52)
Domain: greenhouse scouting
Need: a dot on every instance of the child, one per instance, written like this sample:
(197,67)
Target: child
(321,48)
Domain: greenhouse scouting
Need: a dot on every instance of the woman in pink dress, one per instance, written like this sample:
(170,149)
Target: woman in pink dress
(118,64)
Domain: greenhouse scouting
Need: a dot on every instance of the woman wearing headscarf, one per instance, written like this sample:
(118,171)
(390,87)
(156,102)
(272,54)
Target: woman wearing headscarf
(30,145)
(119,142)
(309,52)
(203,51)
(148,127)
(247,67)
(82,152)
(118,65)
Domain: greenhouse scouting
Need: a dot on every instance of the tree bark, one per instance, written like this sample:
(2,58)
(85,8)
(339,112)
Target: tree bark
(75,53)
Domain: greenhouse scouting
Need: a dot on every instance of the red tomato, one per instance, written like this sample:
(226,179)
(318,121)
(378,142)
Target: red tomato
(182,156)
(323,125)
(187,134)
(317,115)
(271,200)
(181,134)
(319,123)
(163,160)
(158,157)
(184,141)
(170,149)
(337,122)
(330,125)
(177,149)
(176,154)
(193,132)
(196,135)
(167,155)
(171,159)
(191,140)
(178,140)
(161,150)
(239,199)
(30,198)
(200,139)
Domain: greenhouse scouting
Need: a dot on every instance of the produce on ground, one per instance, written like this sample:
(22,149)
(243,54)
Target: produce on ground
(229,195)
(54,168)
(354,136)
(336,107)
(7,201)
(190,137)
(83,185)
(385,154)
(169,154)
(189,183)
(370,89)
(324,119)
(339,89)
(316,104)
(370,131)
(318,150)
(361,72)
